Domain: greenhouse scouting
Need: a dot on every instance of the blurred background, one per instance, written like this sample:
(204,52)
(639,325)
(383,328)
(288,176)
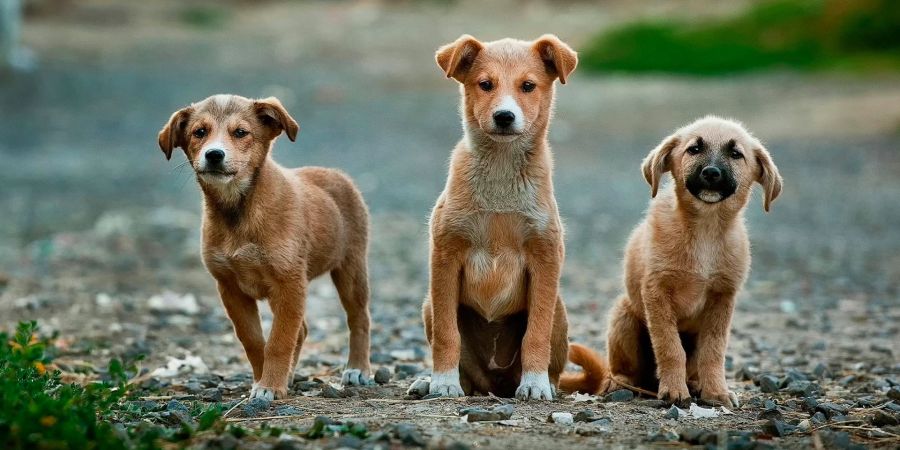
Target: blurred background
(99,234)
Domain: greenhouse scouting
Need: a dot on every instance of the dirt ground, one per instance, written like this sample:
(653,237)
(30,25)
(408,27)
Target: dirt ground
(100,235)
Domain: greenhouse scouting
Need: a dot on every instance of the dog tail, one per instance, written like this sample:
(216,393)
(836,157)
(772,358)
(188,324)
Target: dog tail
(595,371)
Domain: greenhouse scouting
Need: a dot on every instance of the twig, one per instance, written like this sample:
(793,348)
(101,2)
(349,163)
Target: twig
(254,419)
(158,397)
(234,407)
(424,400)
(636,389)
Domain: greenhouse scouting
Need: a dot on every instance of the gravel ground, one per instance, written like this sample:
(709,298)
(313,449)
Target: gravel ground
(100,240)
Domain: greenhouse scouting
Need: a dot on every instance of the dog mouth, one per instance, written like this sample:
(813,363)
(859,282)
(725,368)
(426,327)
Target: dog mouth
(216,173)
(711,196)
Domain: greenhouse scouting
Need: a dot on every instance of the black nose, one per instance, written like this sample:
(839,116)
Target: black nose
(504,119)
(215,155)
(711,174)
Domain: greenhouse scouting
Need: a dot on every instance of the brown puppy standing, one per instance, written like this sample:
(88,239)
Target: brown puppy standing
(684,265)
(268,230)
(494,317)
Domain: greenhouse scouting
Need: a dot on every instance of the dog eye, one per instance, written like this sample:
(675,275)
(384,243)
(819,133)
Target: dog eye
(528,86)
(240,132)
(736,154)
(199,133)
(694,149)
(486,85)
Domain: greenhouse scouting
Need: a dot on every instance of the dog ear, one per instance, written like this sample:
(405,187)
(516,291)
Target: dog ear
(768,176)
(172,134)
(456,58)
(559,58)
(657,162)
(272,113)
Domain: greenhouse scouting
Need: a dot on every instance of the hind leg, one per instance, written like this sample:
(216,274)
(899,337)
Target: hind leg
(623,344)
(301,337)
(559,344)
(352,283)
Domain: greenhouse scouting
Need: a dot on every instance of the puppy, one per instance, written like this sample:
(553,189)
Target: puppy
(494,318)
(684,265)
(268,230)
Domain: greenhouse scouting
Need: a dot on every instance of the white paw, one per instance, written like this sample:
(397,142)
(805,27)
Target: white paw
(535,386)
(446,384)
(354,377)
(260,392)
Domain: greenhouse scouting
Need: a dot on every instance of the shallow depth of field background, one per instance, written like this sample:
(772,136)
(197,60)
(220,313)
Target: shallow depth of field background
(94,221)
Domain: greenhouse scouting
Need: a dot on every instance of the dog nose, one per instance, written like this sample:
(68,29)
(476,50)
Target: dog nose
(711,174)
(504,118)
(215,155)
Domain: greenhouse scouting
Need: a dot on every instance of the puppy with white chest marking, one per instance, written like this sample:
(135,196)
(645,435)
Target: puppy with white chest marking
(684,265)
(268,230)
(493,317)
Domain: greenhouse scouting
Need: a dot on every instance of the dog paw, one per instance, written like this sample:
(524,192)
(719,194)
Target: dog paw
(535,386)
(266,393)
(354,377)
(446,384)
(673,392)
(725,398)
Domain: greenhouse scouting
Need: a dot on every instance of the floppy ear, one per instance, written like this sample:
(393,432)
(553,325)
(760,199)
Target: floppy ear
(768,176)
(172,134)
(657,162)
(559,58)
(272,113)
(456,58)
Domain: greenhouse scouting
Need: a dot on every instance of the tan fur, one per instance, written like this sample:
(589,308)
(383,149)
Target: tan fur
(684,265)
(496,236)
(268,230)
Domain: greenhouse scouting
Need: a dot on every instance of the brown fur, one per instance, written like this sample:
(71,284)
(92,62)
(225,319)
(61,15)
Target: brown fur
(494,310)
(268,230)
(684,265)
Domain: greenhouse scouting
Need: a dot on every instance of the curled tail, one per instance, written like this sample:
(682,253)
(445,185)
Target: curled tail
(594,372)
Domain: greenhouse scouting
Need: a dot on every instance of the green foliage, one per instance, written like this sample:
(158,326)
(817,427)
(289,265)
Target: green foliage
(39,411)
(803,34)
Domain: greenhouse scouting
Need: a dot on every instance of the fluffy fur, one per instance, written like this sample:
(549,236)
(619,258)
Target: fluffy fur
(268,230)
(494,317)
(684,265)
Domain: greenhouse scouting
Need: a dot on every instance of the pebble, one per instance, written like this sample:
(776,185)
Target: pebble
(892,406)
(653,403)
(499,412)
(403,371)
(822,371)
(383,375)
(768,384)
(769,414)
(288,411)
(593,428)
(409,434)
(835,439)
(254,407)
(419,388)
(818,418)
(211,395)
(774,427)
(225,441)
(673,413)
(585,415)
(562,418)
(347,441)
(894,393)
(621,395)
(663,435)
(883,419)
(832,409)
(285,444)
(329,391)
(305,385)
(699,436)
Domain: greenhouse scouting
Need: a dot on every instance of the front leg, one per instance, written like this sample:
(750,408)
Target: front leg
(712,341)
(244,315)
(544,264)
(662,325)
(287,300)
(446,267)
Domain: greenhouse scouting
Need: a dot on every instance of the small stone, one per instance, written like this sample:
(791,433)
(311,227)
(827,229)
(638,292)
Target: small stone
(306,385)
(892,406)
(211,395)
(409,434)
(175,405)
(699,436)
(832,409)
(653,403)
(348,441)
(804,425)
(593,428)
(585,415)
(419,388)
(834,439)
(254,407)
(894,393)
(822,371)
(285,444)
(621,395)
(328,391)
(225,441)
(882,419)
(847,380)
(802,388)
(288,411)
(673,413)
(497,413)
(562,418)
(768,384)
(818,418)
(663,435)
(746,373)
(383,375)
(769,414)
(769,404)
(193,387)
(774,427)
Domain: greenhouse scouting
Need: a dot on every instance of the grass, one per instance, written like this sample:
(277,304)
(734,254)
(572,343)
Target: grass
(39,411)
(797,34)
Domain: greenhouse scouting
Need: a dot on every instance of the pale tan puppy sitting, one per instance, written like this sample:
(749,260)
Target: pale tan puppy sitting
(268,230)
(684,265)
(494,318)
